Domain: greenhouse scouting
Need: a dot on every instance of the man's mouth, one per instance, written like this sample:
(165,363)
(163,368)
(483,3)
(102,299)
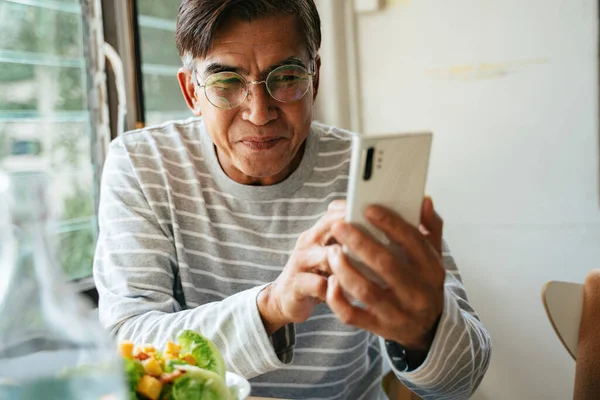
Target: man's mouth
(261,143)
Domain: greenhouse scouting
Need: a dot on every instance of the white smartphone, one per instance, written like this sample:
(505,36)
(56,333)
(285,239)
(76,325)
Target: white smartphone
(388,170)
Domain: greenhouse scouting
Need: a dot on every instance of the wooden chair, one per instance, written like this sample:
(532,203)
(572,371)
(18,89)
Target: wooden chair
(395,390)
(574,312)
(563,302)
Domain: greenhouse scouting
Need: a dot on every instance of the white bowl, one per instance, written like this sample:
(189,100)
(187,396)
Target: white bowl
(239,384)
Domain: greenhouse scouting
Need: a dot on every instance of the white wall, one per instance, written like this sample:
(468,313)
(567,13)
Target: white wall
(510,89)
(337,100)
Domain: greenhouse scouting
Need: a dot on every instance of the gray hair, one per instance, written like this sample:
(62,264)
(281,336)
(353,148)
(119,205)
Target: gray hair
(199,20)
(188,61)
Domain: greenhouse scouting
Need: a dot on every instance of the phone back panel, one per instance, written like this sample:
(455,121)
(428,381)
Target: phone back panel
(399,173)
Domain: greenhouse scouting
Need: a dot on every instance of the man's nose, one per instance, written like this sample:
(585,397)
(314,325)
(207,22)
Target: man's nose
(259,105)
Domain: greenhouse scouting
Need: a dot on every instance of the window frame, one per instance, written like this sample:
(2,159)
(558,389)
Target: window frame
(121,31)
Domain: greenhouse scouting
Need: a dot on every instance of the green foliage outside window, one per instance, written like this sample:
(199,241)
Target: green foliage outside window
(42,77)
(77,247)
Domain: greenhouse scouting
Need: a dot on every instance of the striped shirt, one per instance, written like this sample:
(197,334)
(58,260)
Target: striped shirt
(182,246)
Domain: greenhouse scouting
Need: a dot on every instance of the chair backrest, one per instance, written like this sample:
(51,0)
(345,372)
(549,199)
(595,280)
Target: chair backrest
(574,312)
(395,390)
(563,302)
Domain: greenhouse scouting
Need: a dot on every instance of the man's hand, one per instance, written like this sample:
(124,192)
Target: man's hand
(302,284)
(408,310)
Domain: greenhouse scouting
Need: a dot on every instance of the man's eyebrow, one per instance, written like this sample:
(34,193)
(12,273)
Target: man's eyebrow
(288,61)
(216,67)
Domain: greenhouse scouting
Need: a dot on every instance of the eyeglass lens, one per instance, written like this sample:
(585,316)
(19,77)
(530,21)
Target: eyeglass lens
(229,89)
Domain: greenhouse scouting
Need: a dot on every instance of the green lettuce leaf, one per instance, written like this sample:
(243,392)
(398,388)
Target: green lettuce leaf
(205,352)
(167,392)
(199,384)
(170,364)
(134,372)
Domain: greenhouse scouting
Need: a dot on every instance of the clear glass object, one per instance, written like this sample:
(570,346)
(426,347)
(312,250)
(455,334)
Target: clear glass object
(46,97)
(51,345)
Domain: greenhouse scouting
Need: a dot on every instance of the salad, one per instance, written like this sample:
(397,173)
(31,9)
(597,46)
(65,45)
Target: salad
(192,369)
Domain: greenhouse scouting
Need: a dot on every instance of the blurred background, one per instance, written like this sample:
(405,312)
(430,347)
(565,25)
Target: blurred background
(509,88)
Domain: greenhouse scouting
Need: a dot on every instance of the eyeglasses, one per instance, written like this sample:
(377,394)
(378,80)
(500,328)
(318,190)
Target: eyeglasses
(228,90)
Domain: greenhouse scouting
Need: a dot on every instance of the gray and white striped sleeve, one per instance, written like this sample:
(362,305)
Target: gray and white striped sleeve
(461,349)
(135,268)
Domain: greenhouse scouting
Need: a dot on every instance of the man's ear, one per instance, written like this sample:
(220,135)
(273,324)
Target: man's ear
(188,89)
(317,77)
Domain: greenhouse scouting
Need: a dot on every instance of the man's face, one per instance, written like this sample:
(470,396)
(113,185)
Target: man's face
(258,142)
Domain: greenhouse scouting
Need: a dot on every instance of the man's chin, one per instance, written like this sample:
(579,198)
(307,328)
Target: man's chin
(265,174)
(262,173)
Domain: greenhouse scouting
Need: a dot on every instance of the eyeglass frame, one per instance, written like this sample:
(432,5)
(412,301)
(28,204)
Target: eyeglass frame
(195,81)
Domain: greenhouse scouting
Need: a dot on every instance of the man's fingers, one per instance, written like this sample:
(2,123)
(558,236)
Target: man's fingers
(358,286)
(433,224)
(314,260)
(330,242)
(398,230)
(310,285)
(383,262)
(337,302)
(319,233)
(337,205)
(429,215)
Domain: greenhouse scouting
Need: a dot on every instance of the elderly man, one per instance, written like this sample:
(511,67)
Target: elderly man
(230,224)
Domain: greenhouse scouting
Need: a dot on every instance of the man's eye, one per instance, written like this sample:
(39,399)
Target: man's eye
(227,82)
(285,78)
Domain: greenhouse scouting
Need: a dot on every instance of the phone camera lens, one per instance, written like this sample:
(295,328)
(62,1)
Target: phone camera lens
(369,164)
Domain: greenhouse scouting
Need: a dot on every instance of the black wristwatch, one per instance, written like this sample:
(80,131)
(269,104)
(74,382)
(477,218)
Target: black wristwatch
(398,356)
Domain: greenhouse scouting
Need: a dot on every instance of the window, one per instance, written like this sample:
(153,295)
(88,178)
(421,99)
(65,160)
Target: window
(44,99)
(159,61)
(43,105)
